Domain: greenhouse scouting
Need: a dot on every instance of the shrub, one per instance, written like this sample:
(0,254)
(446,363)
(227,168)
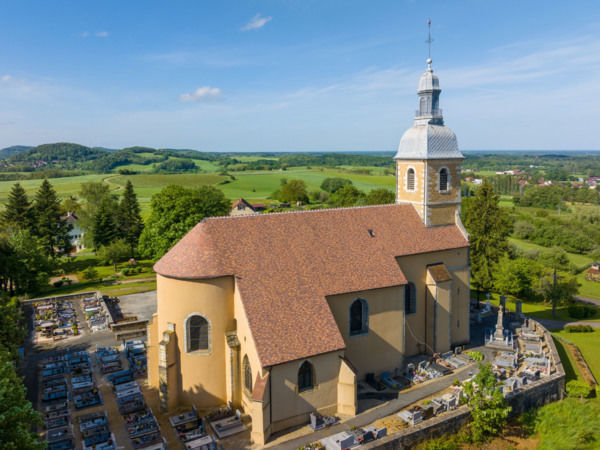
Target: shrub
(58,283)
(581,311)
(577,388)
(125,272)
(579,329)
(90,274)
(477,356)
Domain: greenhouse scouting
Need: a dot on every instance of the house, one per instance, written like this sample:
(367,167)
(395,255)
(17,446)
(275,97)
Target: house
(76,233)
(593,273)
(282,314)
(242,208)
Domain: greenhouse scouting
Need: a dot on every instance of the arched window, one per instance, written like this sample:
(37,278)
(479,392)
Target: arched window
(247,374)
(410,298)
(444,179)
(359,317)
(305,377)
(197,333)
(410,179)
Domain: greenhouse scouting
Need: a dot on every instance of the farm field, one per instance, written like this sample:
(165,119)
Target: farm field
(64,187)
(255,186)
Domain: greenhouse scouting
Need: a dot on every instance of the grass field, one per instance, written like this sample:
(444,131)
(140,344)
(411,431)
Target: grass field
(64,186)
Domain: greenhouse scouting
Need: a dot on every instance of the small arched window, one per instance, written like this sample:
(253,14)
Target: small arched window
(444,179)
(410,298)
(247,374)
(305,377)
(197,330)
(359,317)
(410,179)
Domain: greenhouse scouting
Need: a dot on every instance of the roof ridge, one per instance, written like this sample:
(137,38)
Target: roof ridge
(305,211)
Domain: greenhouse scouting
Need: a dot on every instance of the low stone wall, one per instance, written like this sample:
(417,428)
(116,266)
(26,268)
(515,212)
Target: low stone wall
(59,297)
(450,422)
(536,394)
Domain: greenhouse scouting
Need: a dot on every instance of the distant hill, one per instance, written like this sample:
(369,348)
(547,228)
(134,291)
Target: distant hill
(62,154)
(13,150)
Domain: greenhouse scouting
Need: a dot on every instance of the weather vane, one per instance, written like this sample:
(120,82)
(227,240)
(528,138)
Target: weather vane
(429,40)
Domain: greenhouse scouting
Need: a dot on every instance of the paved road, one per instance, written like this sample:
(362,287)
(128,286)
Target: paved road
(560,324)
(593,301)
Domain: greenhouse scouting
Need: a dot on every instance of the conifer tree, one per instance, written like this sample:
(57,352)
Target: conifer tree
(18,211)
(489,226)
(104,226)
(52,232)
(129,220)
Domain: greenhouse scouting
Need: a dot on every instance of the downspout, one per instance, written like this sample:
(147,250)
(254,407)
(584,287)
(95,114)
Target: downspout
(270,400)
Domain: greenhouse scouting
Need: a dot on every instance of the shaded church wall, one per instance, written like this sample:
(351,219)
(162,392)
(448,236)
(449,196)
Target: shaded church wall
(382,347)
(415,270)
(290,407)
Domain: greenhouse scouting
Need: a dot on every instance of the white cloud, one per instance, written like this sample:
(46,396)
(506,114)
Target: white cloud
(84,34)
(6,78)
(102,34)
(201,94)
(256,22)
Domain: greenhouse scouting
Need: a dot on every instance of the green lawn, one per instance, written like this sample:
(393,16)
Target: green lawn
(589,345)
(589,289)
(571,370)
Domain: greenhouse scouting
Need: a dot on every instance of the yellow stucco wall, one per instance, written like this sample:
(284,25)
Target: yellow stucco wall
(415,270)
(291,408)
(382,347)
(203,382)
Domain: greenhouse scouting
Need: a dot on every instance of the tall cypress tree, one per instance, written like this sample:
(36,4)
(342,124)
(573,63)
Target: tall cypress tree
(488,225)
(104,228)
(129,220)
(49,228)
(18,211)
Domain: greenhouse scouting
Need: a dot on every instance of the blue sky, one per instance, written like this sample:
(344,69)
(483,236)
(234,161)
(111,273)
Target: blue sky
(296,75)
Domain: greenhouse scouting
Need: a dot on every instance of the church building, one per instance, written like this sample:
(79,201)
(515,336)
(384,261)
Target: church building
(282,314)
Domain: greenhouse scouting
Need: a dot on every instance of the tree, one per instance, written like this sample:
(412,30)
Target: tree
(49,228)
(175,210)
(488,406)
(516,277)
(24,268)
(293,191)
(332,185)
(558,290)
(17,416)
(18,211)
(349,195)
(104,228)
(115,252)
(129,220)
(94,194)
(489,226)
(380,197)
(578,388)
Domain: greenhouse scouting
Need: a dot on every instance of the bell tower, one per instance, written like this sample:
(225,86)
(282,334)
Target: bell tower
(428,159)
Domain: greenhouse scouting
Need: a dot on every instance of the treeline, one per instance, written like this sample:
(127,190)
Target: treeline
(17,416)
(335,192)
(496,266)
(33,235)
(551,196)
(554,166)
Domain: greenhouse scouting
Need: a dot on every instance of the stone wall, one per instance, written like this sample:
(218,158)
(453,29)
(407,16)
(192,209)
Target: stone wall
(536,394)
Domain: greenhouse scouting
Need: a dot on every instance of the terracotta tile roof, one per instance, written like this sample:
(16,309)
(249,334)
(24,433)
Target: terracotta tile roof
(439,273)
(286,264)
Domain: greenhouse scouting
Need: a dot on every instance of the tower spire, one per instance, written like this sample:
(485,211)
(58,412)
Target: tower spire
(429,41)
